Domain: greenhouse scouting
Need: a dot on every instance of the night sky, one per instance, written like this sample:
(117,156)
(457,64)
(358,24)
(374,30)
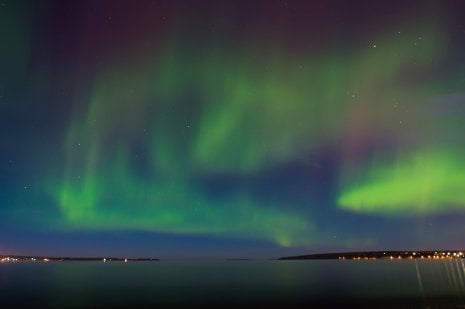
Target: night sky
(180,129)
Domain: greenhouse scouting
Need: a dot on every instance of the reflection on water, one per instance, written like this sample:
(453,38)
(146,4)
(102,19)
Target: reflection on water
(79,284)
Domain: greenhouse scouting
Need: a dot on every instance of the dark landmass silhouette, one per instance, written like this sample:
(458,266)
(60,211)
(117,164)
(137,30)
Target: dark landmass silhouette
(366,255)
(23,258)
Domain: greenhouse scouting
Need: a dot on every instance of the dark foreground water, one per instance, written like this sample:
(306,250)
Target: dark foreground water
(408,283)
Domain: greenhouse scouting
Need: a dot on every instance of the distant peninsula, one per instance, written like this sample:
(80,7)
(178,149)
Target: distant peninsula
(388,255)
(22,258)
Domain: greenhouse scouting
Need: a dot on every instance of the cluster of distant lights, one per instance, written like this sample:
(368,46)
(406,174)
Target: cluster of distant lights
(109,260)
(13,259)
(411,256)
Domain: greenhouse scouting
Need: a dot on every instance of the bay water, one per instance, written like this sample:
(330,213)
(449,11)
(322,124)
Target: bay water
(233,283)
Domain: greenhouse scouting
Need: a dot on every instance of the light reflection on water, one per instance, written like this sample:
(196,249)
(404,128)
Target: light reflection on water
(59,284)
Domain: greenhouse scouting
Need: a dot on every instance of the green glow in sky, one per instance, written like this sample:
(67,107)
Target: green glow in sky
(119,201)
(423,183)
(149,131)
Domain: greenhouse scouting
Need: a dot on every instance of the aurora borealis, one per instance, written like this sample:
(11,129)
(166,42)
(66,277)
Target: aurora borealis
(197,128)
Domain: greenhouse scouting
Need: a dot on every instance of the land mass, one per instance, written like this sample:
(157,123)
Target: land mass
(356,255)
(23,258)
(367,255)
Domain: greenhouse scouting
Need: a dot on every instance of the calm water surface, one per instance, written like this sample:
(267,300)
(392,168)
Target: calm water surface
(233,283)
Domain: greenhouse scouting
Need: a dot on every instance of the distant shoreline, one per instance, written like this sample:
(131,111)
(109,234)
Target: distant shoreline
(22,258)
(355,255)
(388,255)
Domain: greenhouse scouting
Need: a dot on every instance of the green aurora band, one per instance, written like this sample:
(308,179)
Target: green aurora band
(235,113)
(423,183)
